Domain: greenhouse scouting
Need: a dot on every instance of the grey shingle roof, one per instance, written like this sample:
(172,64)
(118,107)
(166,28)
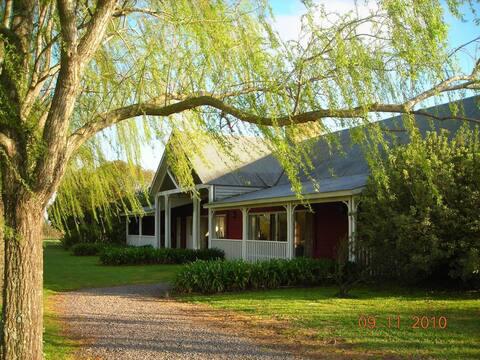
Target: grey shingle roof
(330,185)
(252,166)
(347,169)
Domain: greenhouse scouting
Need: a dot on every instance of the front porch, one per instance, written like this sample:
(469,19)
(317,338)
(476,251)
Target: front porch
(254,232)
(285,231)
(175,221)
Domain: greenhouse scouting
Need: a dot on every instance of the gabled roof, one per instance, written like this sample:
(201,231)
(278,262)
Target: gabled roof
(346,168)
(249,163)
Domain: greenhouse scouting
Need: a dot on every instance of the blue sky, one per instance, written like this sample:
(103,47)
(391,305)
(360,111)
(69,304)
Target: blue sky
(460,32)
(288,13)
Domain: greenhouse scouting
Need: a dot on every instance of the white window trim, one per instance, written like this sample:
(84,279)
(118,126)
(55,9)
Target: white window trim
(224,216)
(276,213)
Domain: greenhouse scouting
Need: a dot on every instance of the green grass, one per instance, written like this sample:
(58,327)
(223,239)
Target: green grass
(317,309)
(55,346)
(314,308)
(64,272)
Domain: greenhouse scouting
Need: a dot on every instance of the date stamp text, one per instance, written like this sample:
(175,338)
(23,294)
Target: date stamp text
(397,322)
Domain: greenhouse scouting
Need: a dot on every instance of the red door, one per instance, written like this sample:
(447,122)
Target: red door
(331,225)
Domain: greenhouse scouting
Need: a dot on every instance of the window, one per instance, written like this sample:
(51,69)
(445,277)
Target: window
(148,225)
(282,226)
(220,226)
(133,226)
(268,226)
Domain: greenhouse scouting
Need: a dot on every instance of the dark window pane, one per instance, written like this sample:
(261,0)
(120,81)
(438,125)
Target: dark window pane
(261,227)
(282,227)
(133,226)
(148,225)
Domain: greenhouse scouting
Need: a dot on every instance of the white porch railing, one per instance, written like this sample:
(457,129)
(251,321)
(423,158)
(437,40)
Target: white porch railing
(266,250)
(141,240)
(232,248)
(255,249)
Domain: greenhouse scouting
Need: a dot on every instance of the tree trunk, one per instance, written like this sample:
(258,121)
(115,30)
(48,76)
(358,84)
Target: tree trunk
(2,246)
(23,278)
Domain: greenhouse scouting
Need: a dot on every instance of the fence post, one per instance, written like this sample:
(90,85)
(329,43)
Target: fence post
(168,232)
(211,227)
(290,230)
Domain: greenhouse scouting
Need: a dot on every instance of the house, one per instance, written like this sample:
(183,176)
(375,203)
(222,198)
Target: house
(248,209)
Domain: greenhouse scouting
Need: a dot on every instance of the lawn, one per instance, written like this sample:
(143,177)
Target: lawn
(317,311)
(64,272)
(305,310)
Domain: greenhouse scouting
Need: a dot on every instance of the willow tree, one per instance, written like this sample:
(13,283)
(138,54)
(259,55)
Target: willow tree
(72,69)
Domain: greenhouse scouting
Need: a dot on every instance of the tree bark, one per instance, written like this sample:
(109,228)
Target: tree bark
(2,246)
(23,278)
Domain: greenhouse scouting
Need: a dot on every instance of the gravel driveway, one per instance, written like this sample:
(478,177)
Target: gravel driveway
(135,322)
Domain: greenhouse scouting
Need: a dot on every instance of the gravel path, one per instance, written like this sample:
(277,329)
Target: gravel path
(134,322)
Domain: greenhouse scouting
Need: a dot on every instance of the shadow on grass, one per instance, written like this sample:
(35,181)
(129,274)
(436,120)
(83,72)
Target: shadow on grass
(329,293)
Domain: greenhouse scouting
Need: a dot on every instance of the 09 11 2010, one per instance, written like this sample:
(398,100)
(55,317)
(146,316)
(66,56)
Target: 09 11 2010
(396,321)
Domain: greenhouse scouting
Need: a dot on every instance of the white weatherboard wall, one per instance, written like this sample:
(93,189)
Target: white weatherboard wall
(232,248)
(141,240)
(223,192)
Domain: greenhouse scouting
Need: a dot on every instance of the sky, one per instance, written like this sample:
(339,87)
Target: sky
(287,23)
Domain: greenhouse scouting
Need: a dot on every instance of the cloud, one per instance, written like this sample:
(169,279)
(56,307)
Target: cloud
(288,24)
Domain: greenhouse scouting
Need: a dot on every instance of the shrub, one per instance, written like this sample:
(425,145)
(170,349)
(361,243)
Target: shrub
(87,249)
(149,255)
(219,276)
(90,231)
(419,216)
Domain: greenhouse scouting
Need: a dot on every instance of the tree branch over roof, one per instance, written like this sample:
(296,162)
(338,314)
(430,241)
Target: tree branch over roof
(162,108)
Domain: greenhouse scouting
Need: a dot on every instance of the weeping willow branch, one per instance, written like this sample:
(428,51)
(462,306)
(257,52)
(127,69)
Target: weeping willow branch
(155,108)
(8,144)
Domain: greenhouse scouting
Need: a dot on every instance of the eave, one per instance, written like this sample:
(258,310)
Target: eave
(316,197)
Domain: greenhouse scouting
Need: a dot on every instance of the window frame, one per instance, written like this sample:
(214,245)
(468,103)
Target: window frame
(277,224)
(224,217)
(137,220)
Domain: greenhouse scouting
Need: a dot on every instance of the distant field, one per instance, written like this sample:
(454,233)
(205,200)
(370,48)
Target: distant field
(334,320)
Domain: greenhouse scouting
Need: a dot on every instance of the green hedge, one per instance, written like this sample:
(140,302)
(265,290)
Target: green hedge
(87,249)
(219,276)
(149,255)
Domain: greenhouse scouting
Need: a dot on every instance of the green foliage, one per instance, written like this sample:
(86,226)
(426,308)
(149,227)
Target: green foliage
(89,202)
(347,274)
(149,255)
(87,249)
(219,276)
(229,50)
(419,214)
(78,213)
(89,230)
